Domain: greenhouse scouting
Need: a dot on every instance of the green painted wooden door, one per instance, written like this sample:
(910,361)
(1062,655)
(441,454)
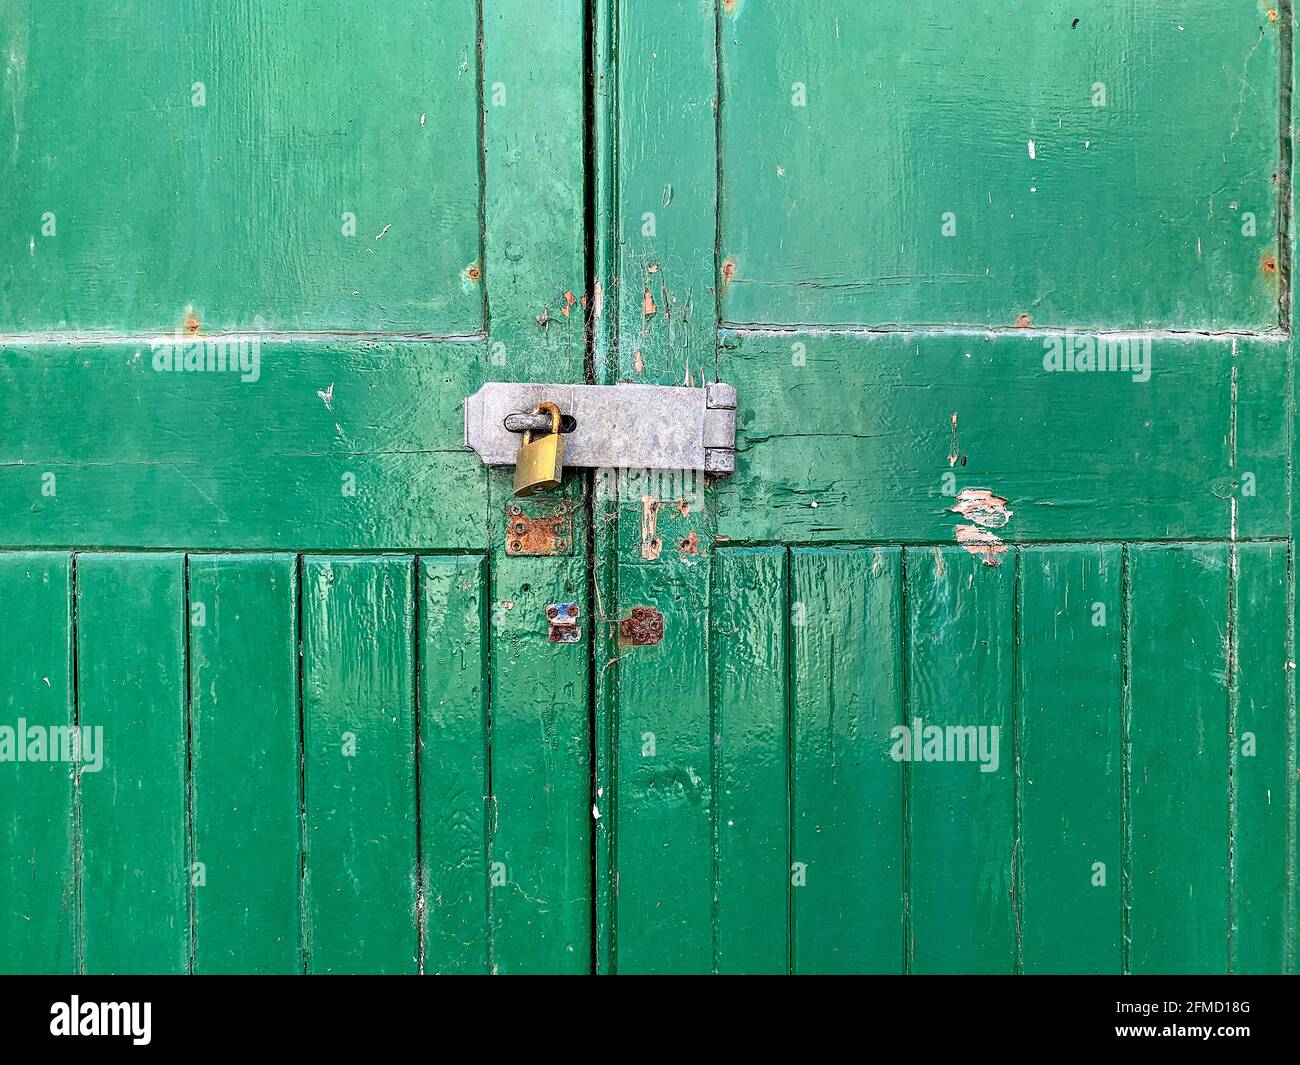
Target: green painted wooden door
(254,257)
(1005,291)
(1006,296)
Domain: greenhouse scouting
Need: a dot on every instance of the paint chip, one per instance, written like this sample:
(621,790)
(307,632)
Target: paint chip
(981,543)
(982,507)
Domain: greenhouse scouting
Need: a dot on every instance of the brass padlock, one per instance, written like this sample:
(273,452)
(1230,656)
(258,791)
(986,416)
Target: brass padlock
(540,463)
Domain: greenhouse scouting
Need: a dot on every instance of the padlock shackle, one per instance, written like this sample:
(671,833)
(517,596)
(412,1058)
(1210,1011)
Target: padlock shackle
(554,412)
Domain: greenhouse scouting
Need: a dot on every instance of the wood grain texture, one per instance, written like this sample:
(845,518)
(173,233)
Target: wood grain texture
(453,756)
(540,802)
(1263,728)
(237,210)
(326,446)
(38,831)
(1060,208)
(135,847)
(847,697)
(358,710)
(961,819)
(245,763)
(1069,693)
(750,712)
(664,906)
(1178,730)
(667,192)
(865,429)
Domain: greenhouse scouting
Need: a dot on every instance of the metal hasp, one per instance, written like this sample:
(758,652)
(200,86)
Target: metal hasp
(649,427)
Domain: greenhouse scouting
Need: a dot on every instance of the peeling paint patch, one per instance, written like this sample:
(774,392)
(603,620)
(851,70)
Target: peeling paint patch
(954,450)
(327,397)
(982,507)
(728,271)
(691,544)
(1269,263)
(569,301)
(1024,321)
(651,545)
(648,307)
(984,545)
(598,302)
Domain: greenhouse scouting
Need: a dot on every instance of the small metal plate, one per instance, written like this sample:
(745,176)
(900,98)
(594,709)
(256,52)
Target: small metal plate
(562,620)
(614,426)
(539,527)
(644,627)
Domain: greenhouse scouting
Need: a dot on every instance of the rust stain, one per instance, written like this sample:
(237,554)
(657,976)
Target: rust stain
(982,507)
(1024,322)
(191,321)
(728,271)
(651,545)
(644,627)
(729,6)
(1272,15)
(473,272)
(691,545)
(684,508)
(562,623)
(981,543)
(548,530)
(569,301)
(1269,263)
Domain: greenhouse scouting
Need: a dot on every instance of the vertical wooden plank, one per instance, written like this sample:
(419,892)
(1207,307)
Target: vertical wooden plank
(668,189)
(453,763)
(358,709)
(962,815)
(848,867)
(666,308)
(245,763)
(752,788)
(540,862)
(38,823)
(1262,891)
(538,298)
(664,782)
(1070,693)
(533,200)
(131,685)
(1178,758)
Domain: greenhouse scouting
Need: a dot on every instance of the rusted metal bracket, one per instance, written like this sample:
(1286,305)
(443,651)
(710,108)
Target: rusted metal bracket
(539,527)
(644,627)
(649,427)
(563,621)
